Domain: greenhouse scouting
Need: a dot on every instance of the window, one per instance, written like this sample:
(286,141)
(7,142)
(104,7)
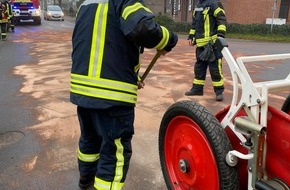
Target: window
(189,5)
(284,9)
(174,8)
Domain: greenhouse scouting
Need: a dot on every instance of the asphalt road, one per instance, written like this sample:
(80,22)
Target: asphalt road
(38,126)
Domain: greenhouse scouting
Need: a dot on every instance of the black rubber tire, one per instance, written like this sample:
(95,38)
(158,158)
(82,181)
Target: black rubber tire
(215,135)
(286,105)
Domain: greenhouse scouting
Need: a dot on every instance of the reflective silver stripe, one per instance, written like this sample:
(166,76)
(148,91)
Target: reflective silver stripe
(198,9)
(104,83)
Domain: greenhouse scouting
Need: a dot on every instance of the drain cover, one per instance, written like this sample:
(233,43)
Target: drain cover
(10,137)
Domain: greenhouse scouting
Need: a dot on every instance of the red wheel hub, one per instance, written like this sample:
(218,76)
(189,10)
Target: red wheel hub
(189,158)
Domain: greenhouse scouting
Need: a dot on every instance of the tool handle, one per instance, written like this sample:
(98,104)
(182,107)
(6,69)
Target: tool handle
(157,55)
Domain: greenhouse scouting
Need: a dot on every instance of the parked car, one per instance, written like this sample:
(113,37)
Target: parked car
(53,12)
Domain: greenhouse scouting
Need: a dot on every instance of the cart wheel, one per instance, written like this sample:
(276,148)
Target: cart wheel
(286,105)
(192,149)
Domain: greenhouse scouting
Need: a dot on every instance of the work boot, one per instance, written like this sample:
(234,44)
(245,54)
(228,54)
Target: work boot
(194,92)
(86,181)
(219,97)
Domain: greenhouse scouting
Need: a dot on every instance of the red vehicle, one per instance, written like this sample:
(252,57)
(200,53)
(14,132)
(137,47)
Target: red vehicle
(26,11)
(245,146)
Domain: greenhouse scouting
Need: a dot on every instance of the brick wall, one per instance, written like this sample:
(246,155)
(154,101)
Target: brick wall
(249,11)
(237,11)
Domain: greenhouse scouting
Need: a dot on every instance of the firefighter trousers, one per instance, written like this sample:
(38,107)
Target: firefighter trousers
(11,24)
(3,30)
(105,145)
(215,69)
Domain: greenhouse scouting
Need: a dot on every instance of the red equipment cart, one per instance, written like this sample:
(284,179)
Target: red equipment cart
(246,145)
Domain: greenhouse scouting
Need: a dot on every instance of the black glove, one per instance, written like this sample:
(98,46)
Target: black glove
(190,37)
(222,35)
(172,42)
(208,53)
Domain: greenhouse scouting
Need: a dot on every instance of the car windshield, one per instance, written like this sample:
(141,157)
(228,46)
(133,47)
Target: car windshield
(53,8)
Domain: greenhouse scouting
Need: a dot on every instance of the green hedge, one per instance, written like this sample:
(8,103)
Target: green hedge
(259,29)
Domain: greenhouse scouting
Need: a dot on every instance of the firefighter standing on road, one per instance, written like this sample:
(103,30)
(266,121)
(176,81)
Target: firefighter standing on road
(4,20)
(209,22)
(107,39)
(11,25)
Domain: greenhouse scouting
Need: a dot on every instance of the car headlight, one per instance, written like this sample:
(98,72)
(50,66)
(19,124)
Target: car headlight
(49,13)
(62,14)
(37,13)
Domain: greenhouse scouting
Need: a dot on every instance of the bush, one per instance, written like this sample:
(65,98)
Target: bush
(165,21)
(259,29)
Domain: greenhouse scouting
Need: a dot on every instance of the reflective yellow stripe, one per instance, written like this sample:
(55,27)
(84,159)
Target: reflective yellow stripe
(117,186)
(101,184)
(217,11)
(120,160)
(103,83)
(105,185)
(200,82)
(98,40)
(137,67)
(203,41)
(164,40)
(192,31)
(104,94)
(133,8)
(221,82)
(88,157)
(206,25)
(222,28)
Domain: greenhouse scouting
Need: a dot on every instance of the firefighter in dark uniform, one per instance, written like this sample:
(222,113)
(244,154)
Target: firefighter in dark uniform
(107,40)
(4,20)
(209,22)
(10,17)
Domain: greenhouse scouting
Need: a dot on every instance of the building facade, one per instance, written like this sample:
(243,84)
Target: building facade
(237,11)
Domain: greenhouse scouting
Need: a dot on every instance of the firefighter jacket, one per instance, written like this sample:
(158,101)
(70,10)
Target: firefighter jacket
(9,10)
(107,39)
(209,22)
(4,13)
